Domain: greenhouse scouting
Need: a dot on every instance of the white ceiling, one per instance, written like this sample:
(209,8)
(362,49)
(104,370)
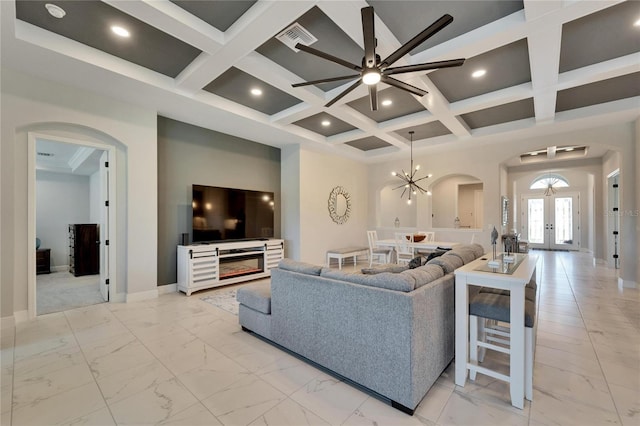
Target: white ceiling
(30,49)
(60,157)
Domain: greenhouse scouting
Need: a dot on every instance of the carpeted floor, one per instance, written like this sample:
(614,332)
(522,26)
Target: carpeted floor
(61,291)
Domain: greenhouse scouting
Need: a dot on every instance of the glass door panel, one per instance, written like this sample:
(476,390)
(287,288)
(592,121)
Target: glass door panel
(551,222)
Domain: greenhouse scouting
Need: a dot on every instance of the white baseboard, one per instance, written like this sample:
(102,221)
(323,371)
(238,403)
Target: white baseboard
(622,283)
(142,295)
(21,316)
(61,268)
(169,288)
(118,298)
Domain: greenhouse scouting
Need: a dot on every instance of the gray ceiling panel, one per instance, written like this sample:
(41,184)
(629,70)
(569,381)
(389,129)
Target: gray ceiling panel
(314,123)
(424,131)
(403,103)
(89,22)
(506,66)
(368,143)
(408,18)
(500,114)
(613,89)
(236,85)
(601,36)
(220,14)
(331,39)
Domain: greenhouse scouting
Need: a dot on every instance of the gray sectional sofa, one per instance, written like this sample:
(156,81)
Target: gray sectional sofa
(392,333)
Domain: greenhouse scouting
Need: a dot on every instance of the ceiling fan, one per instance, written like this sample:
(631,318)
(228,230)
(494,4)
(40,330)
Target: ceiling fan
(373,69)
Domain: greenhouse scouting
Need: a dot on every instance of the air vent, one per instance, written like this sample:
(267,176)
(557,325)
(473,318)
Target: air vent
(295,34)
(45,154)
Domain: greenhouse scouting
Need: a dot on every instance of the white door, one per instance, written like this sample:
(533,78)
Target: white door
(104,225)
(551,222)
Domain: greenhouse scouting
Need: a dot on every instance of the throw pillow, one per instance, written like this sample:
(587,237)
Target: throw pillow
(435,254)
(416,262)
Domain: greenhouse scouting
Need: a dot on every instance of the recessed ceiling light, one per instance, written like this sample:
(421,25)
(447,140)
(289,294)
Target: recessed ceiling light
(534,153)
(122,32)
(569,149)
(325,123)
(637,23)
(387,102)
(55,11)
(478,73)
(256,92)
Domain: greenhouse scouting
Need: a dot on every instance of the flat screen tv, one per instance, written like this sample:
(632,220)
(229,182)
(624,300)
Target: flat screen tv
(224,214)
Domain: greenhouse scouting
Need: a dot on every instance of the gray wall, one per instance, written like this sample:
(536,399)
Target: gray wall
(190,155)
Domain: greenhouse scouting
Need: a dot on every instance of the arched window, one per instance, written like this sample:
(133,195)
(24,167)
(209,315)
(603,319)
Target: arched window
(554,180)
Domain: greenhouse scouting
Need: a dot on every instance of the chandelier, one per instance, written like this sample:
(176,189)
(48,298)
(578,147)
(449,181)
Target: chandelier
(410,184)
(550,189)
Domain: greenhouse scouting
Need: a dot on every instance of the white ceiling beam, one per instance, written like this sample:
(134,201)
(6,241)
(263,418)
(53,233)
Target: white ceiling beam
(491,99)
(544,60)
(261,22)
(536,9)
(601,71)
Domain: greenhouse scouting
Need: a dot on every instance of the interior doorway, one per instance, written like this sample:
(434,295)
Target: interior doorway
(551,222)
(69,202)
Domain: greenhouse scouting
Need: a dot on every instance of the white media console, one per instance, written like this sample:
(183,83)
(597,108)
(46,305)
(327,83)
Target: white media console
(202,266)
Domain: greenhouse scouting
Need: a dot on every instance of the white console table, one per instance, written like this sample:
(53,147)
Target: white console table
(202,266)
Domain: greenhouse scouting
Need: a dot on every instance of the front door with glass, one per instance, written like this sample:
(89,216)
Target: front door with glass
(551,222)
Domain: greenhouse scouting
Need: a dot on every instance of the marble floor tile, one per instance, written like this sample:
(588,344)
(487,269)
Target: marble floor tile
(155,404)
(196,415)
(181,361)
(60,408)
(330,398)
(289,413)
(244,401)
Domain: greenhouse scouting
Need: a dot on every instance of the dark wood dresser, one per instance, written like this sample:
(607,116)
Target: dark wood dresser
(43,261)
(84,249)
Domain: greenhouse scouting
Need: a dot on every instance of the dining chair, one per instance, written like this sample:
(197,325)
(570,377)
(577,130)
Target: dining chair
(404,247)
(377,255)
(428,236)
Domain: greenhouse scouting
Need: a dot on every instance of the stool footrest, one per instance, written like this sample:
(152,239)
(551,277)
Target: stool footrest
(494,347)
(487,372)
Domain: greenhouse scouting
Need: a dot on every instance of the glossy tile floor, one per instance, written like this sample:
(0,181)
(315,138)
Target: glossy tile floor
(178,360)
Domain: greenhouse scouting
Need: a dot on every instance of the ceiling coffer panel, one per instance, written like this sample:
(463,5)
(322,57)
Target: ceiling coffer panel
(500,114)
(236,85)
(505,66)
(368,143)
(324,124)
(90,22)
(613,89)
(402,103)
(220,14)
(424,131)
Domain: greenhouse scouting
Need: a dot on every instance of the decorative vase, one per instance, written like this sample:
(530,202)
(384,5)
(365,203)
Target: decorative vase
(456,222)
(397,223)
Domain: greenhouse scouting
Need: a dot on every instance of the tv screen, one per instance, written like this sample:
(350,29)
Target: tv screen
(222,214)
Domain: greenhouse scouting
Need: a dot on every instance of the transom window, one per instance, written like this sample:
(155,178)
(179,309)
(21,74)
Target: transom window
(553,180)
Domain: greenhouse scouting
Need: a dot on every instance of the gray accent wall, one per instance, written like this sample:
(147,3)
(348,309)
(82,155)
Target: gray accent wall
(190,155)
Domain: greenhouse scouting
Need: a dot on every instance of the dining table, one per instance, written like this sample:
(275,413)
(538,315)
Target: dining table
(419,245)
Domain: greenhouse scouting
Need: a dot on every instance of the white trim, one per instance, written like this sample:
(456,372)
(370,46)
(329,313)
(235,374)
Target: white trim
(21,316)
(614,173)
(169,288)
(118,298)
(622,283)
(142,295)
(61,268)
(31,212)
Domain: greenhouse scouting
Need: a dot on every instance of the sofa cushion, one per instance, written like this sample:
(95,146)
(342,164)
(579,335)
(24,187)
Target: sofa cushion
(465,254)
(477,249)
(425,274)
(388,280)
(257,296)
(301,267)
(387,267)
(447,263)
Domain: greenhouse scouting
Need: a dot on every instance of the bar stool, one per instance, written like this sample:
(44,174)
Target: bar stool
(486,310)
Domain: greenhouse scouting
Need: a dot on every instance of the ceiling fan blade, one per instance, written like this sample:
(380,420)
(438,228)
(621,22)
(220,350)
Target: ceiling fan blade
(418,39)
(344,93)
(369,36)
(325,80)
(373,96)
(328,57)
(424,67)
(404,86)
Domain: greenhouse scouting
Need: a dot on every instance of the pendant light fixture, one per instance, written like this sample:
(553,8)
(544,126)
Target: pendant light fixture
(410,184)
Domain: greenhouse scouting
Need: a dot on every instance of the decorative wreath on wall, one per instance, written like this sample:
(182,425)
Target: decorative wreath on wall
(338,214)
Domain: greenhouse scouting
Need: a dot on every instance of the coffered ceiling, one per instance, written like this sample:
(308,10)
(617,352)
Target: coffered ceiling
(570,64)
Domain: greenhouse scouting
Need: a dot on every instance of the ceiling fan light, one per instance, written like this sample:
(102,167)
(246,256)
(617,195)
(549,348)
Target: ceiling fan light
(371,77)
